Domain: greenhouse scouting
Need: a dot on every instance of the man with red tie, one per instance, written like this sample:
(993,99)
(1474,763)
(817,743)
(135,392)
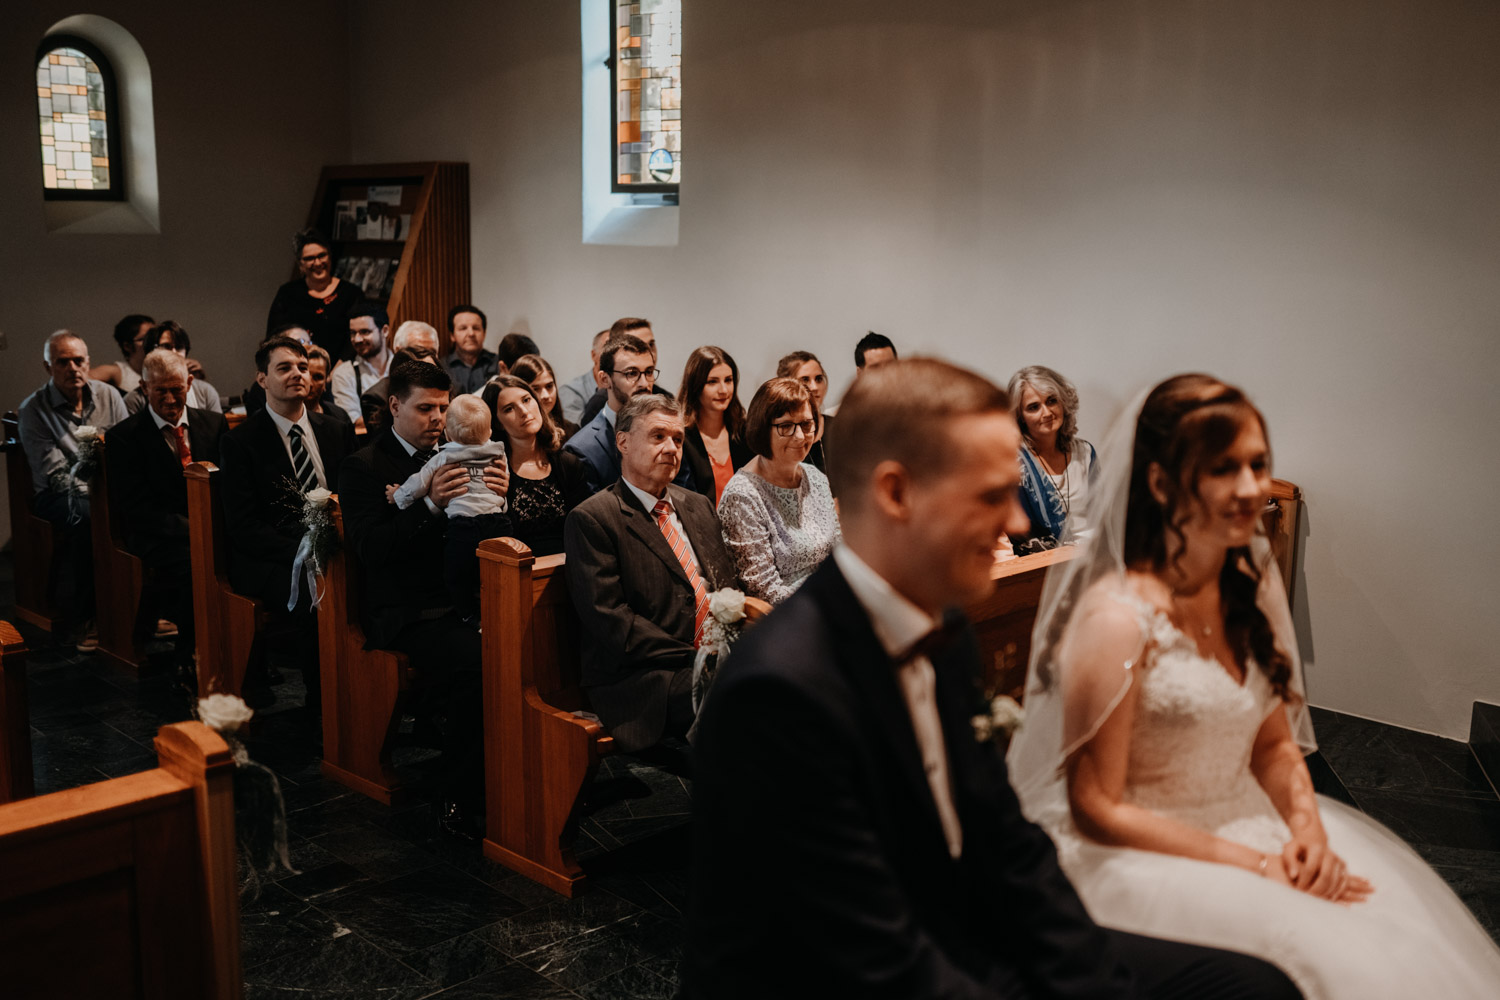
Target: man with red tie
(643,556)
(145,456)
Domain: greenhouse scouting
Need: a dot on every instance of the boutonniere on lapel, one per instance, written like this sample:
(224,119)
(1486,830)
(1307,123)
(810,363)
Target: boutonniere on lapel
(319,542)
(998,715)
(721,629)
(1003,715)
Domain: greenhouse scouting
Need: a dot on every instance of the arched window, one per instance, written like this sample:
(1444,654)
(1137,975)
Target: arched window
(80,123)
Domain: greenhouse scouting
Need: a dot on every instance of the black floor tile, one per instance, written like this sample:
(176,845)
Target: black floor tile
(513,980)
(421,909)
(345,967)
(456,960)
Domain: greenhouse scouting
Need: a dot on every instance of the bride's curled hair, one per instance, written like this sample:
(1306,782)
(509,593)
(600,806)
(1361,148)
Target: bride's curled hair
(1188,422)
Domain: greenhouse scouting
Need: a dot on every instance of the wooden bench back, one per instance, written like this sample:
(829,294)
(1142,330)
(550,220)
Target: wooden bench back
(227,625)
(117,579)
(361,687)
(126,888)
(31,536)
(15,719)
(539,755)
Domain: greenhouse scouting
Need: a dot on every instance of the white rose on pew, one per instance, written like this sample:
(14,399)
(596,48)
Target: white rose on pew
(318,495)
(85,432)
(727,605)
(224,713)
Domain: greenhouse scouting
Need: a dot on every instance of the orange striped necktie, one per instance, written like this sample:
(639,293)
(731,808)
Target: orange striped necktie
(184,450)
(662,512)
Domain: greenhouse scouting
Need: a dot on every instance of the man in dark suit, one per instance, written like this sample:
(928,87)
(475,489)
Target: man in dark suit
(639,329)
(270,462)
(852,837)
(145,455)
(404,602)
(627,368)
(643,556)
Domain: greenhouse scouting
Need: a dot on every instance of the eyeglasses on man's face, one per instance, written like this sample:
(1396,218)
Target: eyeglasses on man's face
(633,375)
(786,428)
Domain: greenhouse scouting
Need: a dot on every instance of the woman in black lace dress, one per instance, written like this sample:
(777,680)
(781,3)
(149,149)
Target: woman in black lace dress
(545,481)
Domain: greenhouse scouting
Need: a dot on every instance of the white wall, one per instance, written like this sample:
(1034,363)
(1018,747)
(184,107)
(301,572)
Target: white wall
(250,102)
(1297,196)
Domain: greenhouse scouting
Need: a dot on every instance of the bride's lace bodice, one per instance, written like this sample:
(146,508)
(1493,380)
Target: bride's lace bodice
(1192,737)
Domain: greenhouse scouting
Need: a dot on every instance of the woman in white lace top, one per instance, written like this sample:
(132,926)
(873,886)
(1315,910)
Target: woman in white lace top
(777,512)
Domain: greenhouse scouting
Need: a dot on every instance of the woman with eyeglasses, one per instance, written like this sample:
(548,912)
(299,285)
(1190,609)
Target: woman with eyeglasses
(316,301)
(777,512)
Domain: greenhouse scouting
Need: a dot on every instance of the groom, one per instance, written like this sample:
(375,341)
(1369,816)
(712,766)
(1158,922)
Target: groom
(852,837)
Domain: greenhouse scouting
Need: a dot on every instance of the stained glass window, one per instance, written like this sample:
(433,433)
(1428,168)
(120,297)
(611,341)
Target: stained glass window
(647,67)
(74,90)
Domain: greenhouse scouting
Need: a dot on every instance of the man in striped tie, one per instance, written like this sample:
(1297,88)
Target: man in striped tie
(643,556)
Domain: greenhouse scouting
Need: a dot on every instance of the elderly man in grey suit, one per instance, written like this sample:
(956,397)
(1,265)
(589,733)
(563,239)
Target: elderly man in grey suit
(643,556)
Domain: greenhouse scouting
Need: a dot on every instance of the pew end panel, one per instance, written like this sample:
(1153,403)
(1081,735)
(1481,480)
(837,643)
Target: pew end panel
(1004,620)
(362,688)
(118,580)
(31,537)
(229,626)
(126,888)
(16,774)
(540,757)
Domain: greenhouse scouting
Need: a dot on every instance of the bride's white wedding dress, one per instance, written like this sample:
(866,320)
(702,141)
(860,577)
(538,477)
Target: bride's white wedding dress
(1190,759)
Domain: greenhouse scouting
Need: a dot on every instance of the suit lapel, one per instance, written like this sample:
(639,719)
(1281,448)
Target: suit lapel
(199,435)
(643,526)
(872,674)
(330,448)
(274,450)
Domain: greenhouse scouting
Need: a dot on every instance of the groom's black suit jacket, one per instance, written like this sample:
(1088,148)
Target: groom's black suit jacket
(820,868)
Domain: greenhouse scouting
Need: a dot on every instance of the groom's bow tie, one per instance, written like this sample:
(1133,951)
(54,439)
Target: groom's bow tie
(933,642)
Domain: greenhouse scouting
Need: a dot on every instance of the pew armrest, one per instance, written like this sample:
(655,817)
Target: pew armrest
(755,609)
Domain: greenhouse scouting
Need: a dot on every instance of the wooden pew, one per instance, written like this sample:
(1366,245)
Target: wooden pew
(362,689)
(117,580)
(538,756)
(228,625)
(1003,621)
(126,888)
(15,720)
(31,538)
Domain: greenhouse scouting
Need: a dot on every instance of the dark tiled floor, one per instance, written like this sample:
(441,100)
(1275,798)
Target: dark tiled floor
(384,905)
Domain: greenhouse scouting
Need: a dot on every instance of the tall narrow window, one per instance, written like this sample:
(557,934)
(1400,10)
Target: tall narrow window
(646,69)
(76,104)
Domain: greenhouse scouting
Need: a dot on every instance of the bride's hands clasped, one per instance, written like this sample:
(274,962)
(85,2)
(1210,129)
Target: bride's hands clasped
(1306,863)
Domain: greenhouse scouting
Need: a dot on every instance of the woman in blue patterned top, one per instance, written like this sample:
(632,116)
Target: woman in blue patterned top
(1057,466)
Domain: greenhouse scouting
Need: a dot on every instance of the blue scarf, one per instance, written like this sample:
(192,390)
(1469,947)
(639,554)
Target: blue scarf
(1041,500)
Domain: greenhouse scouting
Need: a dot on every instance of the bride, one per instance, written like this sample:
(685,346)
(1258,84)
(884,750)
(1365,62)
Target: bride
(1166,725)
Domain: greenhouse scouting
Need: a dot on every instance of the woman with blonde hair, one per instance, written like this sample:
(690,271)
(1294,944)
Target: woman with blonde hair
(1057,466)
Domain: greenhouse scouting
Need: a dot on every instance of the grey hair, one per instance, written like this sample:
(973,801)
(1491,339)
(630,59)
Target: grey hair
(411,326)
(1047,382)
(54,337)
(164,363)
(642,405)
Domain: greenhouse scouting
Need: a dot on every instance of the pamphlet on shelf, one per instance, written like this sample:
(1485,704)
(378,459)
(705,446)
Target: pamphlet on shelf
(386,194)
(375,278)
(390,278)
